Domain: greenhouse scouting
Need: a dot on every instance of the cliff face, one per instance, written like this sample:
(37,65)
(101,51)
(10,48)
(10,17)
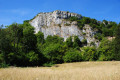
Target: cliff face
(55,23)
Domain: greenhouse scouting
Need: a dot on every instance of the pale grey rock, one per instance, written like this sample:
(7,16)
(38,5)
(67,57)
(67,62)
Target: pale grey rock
(55,23)
(90,35)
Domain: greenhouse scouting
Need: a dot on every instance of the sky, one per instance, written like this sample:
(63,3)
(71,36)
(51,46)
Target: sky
(12,11)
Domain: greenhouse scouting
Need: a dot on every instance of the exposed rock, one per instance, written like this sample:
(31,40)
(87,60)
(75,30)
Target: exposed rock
(90,35)
(55,23)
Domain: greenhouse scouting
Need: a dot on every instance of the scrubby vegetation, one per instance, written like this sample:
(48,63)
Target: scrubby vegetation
(19,46)
(103,29)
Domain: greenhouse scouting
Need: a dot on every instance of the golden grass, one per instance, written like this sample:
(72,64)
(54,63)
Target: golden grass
(70,71)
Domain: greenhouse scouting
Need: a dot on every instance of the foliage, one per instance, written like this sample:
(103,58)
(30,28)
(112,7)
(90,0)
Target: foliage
(105,50)
(40,37)
(117,43)
(84,41)
(98,36)
(73,18)
(69,42)
(89,54)
(53,39)
(29,39)
(53,53)
(20,46)
(72,55)
(48,64)
(77,42)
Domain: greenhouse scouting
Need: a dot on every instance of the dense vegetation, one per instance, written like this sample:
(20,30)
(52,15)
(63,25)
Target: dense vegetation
(19,46)
(103,29)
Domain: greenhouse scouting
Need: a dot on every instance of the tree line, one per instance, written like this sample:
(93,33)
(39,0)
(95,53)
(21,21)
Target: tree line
(20,46)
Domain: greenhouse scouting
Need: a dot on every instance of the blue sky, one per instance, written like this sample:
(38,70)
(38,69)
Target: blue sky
(19,10)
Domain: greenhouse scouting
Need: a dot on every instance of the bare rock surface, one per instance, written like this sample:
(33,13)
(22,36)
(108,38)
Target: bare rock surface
(55,23)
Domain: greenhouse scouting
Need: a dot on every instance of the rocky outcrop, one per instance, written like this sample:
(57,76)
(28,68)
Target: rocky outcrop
(55,23)
(51,18)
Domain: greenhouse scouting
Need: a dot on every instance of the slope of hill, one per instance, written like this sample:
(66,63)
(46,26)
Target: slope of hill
(60,37)
(65,24)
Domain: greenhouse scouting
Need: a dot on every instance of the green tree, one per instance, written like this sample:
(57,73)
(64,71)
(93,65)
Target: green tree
(33,58)
(86,20)
(69,42)
(15,34)
(72,55)
(117,43)
(29,40)
(77,43)
(54,39)
(105,50)
(53,53)
(89,54)
(40,38)
(5,46)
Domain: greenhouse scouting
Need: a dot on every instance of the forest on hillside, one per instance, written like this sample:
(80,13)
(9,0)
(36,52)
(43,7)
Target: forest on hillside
(20,46)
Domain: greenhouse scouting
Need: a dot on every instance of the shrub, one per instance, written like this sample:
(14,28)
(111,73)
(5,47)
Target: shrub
(98,36)
(84,41)
(77,42)
(73,18)
(69,42)
(53,39)
(53,53)
(3,65)
(72,55)
(89,54)
(48,64)
(105,50)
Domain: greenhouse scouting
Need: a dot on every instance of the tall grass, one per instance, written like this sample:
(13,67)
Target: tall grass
(69,71)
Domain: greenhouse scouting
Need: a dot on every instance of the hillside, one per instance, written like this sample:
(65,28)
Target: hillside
(58,37)
(65,24)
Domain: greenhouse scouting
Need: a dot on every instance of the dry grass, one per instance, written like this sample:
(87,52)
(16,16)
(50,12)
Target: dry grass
(70,71)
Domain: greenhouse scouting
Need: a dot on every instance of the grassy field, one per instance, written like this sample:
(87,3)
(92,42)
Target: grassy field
(70,71)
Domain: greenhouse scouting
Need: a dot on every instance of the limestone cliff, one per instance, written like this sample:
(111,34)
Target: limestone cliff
(55,23)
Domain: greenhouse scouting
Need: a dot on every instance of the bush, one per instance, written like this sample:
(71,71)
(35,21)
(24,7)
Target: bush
(4,65)
(2,61)
(72,55)
(73,18)
(84,41)
(77,42)
(48,64)
(98,36)
(53,53)
(69,42)
(40,37)
(32,57)
(89,54)
(54,39)
(105,50)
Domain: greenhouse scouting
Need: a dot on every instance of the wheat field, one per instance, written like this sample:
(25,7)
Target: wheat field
(68,71)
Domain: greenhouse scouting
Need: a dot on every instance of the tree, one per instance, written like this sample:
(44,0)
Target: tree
(15,34)
(77,42)
(32,58)
(40,37)
(86,20)
(89,53)
(54,39)
(117,43)
(53,53)
(29,40)
(105,50)
(72,55)
(5,46)
(69,42)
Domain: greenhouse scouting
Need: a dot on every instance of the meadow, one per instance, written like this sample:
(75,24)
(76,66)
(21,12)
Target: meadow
(104,70)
